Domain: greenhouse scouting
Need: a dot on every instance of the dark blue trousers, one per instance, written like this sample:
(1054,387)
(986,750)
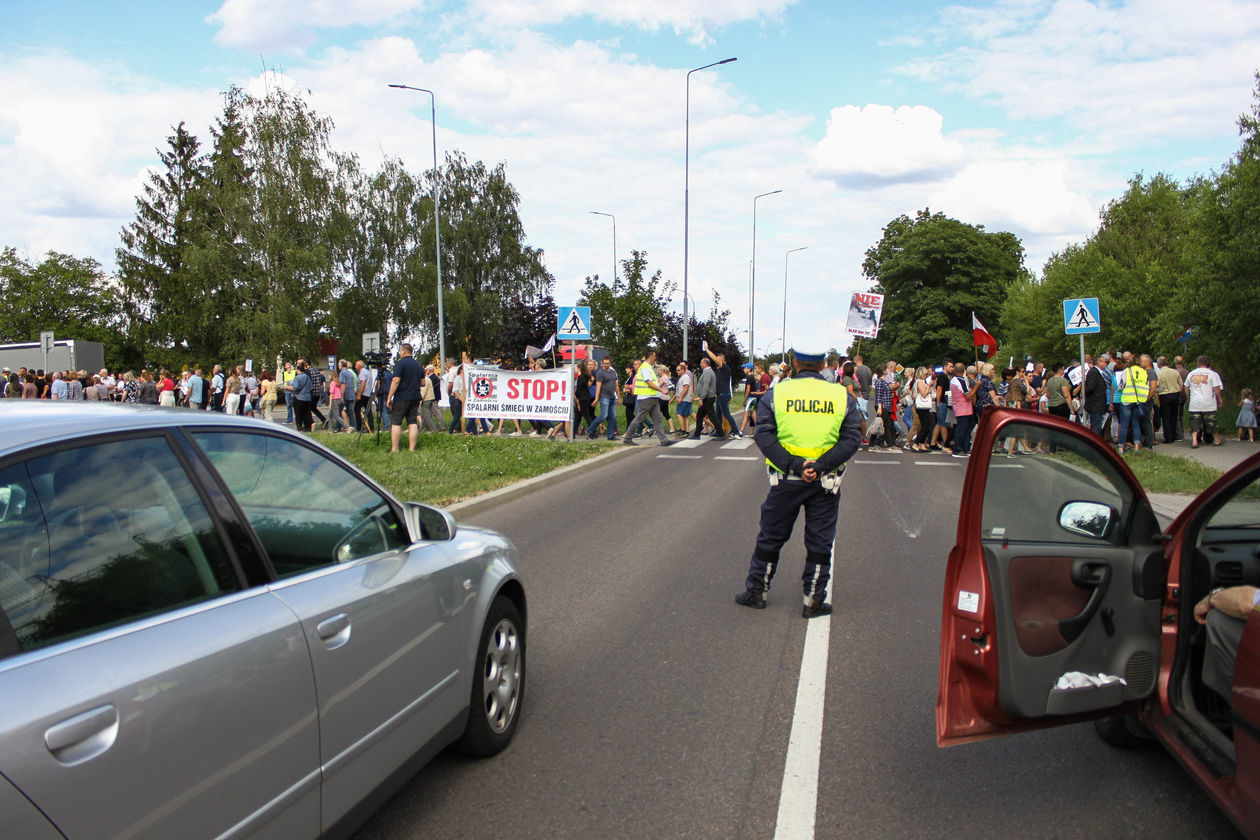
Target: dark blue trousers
(778,517)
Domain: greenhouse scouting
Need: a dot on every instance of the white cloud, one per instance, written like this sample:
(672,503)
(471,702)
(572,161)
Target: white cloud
(75,144)
(292,24)
(1123,72)
(693,18)
(880,145)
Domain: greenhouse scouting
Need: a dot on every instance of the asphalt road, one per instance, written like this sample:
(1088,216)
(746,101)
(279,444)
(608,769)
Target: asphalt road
(657,708)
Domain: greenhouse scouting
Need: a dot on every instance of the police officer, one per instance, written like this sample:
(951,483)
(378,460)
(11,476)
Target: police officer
(807,429)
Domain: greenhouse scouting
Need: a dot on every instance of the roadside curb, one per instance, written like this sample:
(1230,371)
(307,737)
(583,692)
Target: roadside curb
(467,507)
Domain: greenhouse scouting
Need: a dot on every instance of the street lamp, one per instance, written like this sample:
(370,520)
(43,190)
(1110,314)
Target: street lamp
(687,188)
(752,285)
(614,220)
(783,349)
(766,350)
(437,224)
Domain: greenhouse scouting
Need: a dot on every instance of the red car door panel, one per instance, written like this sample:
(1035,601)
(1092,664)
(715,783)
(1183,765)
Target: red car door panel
(1057,569)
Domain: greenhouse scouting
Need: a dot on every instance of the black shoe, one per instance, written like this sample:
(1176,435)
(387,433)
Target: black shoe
(815,608)
(749,598)
(668,442)
(629,442)
(694,437)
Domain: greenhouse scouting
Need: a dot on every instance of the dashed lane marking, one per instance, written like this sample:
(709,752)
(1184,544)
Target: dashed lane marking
(736,458)
(681,457)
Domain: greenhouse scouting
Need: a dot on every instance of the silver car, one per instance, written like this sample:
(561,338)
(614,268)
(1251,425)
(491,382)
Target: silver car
(213,627)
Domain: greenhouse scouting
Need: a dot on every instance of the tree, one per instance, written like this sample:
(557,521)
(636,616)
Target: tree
(1137,264)
(629,314)
(485,261)
(69,295)
(159,286)
(934,272)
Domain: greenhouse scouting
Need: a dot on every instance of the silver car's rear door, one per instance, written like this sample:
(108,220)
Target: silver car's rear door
(146,692)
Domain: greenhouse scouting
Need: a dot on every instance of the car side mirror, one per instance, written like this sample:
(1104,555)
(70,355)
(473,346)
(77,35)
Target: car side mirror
(426,522)
(1089,519)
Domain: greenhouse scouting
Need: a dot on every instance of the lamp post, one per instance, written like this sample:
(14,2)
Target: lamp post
(687,187)
(614,220)
(766,349)
(437,224)
(783,349)
(752,283)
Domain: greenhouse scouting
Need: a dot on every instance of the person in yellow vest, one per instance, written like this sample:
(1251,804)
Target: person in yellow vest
(1133,394)
(647,392)
(807,428)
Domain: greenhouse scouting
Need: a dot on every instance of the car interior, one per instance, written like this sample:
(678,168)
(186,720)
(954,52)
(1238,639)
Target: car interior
(1226,552)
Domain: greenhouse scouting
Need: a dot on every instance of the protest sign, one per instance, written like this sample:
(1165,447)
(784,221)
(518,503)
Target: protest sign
(865,310)
(518,394)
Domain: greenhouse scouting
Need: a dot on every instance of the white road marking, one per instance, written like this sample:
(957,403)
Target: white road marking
(867,461)
(949,463)
(682,457)
(736,458)
(688,443)
(738,443)
(993,466)
(798,798)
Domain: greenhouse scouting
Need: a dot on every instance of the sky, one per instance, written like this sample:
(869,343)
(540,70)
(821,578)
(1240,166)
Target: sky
(1018,115)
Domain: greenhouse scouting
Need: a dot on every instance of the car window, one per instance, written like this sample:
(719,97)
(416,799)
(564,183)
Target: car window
(308,510)
(1034,472)
(102,534)
(1242,510)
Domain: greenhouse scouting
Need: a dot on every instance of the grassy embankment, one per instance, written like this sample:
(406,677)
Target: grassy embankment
(447,468)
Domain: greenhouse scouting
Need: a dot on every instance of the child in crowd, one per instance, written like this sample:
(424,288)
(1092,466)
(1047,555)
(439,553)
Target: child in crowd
(1247,416)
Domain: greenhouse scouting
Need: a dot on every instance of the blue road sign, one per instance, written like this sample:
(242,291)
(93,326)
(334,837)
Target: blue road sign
(1080,316)
(573,323)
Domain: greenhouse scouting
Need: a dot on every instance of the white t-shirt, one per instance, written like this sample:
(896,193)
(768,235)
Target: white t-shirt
(1202,382)
(685,382)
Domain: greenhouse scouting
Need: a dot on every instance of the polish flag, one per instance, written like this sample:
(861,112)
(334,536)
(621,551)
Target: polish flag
(982,338)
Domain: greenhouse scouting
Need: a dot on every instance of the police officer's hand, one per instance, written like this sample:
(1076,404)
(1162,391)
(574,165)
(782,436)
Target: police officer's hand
(809,473)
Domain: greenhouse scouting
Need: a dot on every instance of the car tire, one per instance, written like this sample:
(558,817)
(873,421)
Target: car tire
(1124,731)
(498,678)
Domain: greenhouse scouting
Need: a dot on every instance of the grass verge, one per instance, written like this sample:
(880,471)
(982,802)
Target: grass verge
(447,468)
(1170,474)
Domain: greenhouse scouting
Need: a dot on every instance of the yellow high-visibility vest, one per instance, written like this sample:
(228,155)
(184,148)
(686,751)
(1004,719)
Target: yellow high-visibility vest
(1136,385)
(808,413)
(645,381)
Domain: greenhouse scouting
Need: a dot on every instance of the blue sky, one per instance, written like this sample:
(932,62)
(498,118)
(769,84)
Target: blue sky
(1021,115)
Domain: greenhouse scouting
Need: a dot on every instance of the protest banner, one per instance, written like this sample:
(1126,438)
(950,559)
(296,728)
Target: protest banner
(865,310)
(518,394)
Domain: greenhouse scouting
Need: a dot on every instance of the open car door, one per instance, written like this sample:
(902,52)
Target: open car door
(1052,598)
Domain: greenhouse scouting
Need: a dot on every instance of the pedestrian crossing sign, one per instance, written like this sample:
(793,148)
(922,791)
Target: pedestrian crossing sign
(573,323)
(1080,316)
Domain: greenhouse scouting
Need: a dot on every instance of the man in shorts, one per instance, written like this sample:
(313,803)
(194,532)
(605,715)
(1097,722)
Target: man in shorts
(1204,385)
(403,401)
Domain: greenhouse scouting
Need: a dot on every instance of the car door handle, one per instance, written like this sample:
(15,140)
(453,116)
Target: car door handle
(334,631)
(83,736)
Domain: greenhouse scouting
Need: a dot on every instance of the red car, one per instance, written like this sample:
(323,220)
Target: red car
(1065,602)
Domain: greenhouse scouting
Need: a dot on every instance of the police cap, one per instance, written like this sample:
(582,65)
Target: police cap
(809,358)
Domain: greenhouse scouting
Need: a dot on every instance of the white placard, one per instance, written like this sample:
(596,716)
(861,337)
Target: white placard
(969,601)
(865,310)
(518,394)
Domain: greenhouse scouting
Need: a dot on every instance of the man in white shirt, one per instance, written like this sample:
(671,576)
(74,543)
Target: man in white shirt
(684,389)
(1204,385)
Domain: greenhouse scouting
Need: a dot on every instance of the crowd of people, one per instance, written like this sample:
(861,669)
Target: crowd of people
(1127,398)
